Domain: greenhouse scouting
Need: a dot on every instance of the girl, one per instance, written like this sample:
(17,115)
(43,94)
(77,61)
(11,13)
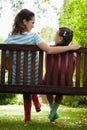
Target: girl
(22,34)
(63,38)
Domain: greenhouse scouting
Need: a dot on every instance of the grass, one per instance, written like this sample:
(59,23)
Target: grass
(11,118)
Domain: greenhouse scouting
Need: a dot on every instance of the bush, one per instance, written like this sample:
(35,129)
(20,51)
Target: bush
(6,98)
(75,101)
(10,99)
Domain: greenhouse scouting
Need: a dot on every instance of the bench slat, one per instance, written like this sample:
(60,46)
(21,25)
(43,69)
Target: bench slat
(25,73)
(48,68)
(18,59)
(70,69)
(3,66)
(85,71)
(78,61)
(63,62)
(32,67)
(9,66)
(55,69)
(40,71)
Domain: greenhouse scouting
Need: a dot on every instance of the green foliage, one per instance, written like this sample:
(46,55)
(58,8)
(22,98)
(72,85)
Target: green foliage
(46,0)
(74,15)
(18,99)
(6,98)
(75,101)
(11,99)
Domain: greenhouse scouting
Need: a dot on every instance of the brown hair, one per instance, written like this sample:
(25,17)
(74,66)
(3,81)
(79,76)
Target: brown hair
(18,26)
(67,35)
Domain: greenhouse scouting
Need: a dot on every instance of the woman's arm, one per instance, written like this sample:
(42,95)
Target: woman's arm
(57,49)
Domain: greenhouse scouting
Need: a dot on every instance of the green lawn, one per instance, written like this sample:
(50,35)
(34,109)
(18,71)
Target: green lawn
(11,118)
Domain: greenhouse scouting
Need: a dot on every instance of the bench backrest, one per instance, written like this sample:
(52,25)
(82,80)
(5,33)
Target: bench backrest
(7,63)
(80,75)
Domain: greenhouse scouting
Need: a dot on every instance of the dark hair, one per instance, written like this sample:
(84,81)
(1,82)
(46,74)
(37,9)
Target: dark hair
(67,35)
(18,26)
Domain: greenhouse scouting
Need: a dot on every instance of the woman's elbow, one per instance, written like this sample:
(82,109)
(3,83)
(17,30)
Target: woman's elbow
(49,51)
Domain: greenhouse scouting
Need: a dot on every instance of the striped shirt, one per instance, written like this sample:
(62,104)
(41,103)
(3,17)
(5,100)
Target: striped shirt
(28,38)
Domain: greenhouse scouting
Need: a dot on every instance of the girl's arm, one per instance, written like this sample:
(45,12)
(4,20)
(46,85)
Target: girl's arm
(57,49)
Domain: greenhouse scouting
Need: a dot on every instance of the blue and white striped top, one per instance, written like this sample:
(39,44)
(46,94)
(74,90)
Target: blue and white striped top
(29,38)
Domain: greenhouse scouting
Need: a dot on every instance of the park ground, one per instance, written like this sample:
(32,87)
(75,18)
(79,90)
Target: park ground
(12,118)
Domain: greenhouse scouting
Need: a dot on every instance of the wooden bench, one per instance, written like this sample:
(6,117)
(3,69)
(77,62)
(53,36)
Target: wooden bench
(80,76)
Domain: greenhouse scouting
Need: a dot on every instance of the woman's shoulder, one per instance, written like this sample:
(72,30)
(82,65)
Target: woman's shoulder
(32,33)
(11,38)
(8,39)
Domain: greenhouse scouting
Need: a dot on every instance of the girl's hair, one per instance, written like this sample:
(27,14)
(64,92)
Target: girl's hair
(18,26)
(67,35)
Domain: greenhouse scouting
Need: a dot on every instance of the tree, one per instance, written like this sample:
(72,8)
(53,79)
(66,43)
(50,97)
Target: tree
(74,15)
(14,4)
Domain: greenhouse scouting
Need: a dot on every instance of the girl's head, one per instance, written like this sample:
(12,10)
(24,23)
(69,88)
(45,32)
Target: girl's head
(24,22)
(63,36)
